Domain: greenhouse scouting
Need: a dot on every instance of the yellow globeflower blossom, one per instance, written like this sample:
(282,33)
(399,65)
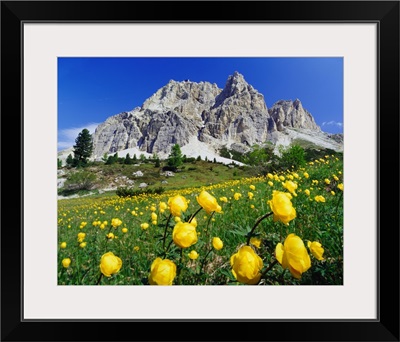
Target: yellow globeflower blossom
(255,242)
(66,262)
(270,183)
(250,195)
(81,237)
(217,243)
(153,208)
(252,187)
(327,181)
(305,174)
(246,266)
(110,264)
(223,199)
(153,216)
(194,222)
(115,222)
(319,198)
(316,249)
(291,186)
(144,226)
(340,186)
(136,248)
(293,255)
(82,244)
(282,207)
(193,255)
(162,272)
(208,202)
(184,234)
(332,193)
(335,178)
(307,192)
(270,176)
(110,236)
(177,205)
(177,219)
(124,230)
(63,245)
(237,196)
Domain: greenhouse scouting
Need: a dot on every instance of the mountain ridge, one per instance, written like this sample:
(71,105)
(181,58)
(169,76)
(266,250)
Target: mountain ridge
(234,116)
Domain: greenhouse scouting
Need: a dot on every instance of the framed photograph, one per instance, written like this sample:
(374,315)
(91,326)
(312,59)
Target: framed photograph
(238,152)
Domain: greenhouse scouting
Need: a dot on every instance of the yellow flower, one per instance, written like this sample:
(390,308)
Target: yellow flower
(153,216)
(110,236)
(252,187)
(124,230)
(270,183)
(327,181)
(335,178)
(291,186)
(66,262)
(110,264)
(177,219)
(270,176)
(305,174)
(208,202)
(332,193)
(63,245)
(252,206)
(282,207)
(340,186)
(223,199)
(217,243)
(250,194)
(144,226)
(282,178)
(81,237)
(246,266)
(184,234)
(316,249)
(193,255)
(115,222)
(136,248)
(177,205)
(293,255)
(319,198)
(153,208)
(307,192)
(255,242)
(82,244)
(162,272)
(163,206)
(237,196)
(194,222)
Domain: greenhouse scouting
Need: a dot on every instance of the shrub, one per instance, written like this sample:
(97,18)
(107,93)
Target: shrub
(80,180)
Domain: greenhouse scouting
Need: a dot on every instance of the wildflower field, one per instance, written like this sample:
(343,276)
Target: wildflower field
(281,228)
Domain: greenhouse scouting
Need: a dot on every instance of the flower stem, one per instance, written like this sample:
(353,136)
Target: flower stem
(98,281)
(269,268)
(205,258)
(255,225)
(165,231)
(192,217)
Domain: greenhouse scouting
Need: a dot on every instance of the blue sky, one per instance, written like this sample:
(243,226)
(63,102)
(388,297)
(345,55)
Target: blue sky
(92,89)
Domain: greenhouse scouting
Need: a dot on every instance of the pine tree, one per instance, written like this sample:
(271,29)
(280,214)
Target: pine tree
(70,161)
(83,147)
(175,158)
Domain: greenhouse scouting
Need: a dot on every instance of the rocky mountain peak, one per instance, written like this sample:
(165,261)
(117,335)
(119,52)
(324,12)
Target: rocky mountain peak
(183,111)
(288,113)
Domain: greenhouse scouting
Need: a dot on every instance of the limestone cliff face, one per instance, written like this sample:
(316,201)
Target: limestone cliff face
(180,111)
(287,113)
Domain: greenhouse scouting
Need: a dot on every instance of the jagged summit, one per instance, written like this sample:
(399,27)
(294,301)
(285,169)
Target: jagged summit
(182,112)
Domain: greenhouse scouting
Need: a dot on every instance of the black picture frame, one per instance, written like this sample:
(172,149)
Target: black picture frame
(15,328)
